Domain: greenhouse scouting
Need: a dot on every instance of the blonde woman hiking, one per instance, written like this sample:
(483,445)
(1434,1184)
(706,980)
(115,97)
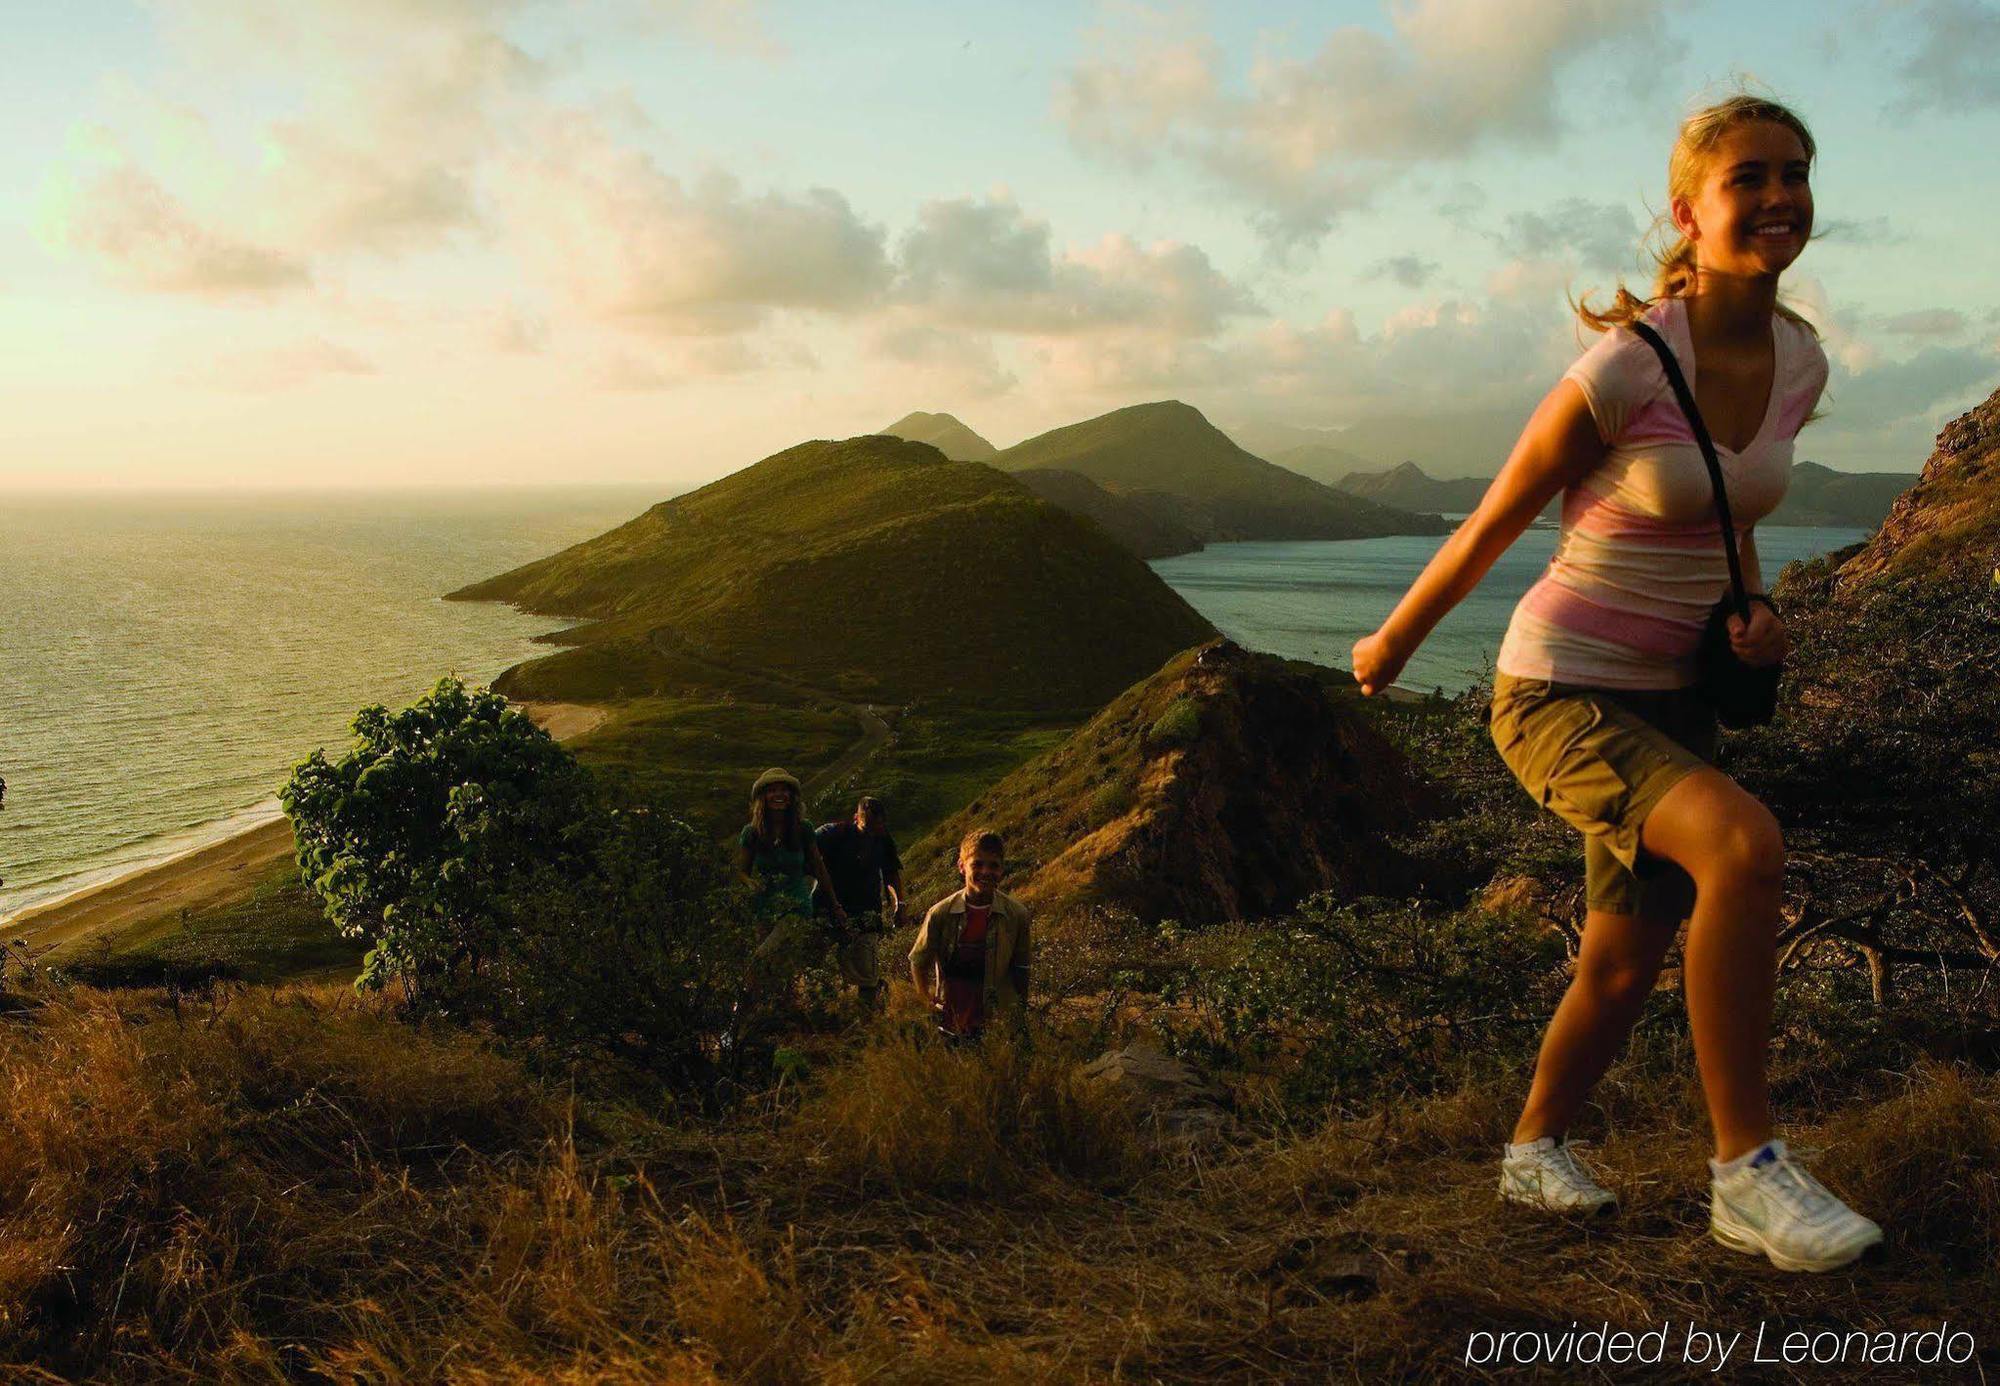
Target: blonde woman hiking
(1595,704)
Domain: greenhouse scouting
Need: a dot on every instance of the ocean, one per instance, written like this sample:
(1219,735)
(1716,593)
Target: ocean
(1313,601)
(166,659)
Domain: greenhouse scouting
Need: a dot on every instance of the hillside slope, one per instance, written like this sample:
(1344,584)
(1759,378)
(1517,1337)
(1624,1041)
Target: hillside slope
(872,567)
(1169,460)
(1147,534)
(1228,785)
(1948,524)
(944,433)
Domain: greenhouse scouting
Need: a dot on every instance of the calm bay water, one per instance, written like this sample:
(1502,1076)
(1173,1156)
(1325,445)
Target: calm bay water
(165,660)
(1313,601)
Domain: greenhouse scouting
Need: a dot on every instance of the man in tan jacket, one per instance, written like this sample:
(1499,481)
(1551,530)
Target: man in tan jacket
(972,955)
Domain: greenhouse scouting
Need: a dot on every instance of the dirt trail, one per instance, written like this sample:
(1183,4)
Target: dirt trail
(875,730)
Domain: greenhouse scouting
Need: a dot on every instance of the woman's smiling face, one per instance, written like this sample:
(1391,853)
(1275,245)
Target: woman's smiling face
(1753,210)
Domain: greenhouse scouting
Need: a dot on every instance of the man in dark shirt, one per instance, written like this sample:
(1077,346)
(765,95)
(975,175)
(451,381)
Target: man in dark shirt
(863,862)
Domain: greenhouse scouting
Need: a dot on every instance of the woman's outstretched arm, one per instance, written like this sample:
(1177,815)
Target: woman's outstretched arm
(1558,448)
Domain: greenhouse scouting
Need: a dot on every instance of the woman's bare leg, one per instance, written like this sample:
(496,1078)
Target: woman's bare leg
(1615,971)
(1730,844)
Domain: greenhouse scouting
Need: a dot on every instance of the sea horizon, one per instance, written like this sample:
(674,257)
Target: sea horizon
(124,750)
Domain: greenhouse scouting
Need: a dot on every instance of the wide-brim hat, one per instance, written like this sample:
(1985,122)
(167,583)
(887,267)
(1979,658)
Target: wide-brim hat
(777,776)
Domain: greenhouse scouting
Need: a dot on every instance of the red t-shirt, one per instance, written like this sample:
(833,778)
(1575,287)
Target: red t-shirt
(965,994)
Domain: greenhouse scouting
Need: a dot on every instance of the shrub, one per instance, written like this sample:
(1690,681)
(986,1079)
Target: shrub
(413,835)
(640,957)
(1111,799)
(1179,725)
(497,884)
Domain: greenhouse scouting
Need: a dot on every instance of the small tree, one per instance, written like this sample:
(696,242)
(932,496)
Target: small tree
(412,837)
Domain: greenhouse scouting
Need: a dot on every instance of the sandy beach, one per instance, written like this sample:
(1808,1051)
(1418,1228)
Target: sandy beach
(219,873)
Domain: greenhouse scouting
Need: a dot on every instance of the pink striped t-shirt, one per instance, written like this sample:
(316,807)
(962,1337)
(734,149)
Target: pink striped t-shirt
(1640,560)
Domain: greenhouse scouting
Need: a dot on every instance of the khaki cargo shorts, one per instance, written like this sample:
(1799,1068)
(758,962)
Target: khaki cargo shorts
(1600,759)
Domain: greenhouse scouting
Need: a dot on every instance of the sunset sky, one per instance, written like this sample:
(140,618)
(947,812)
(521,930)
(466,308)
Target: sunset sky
(386,242)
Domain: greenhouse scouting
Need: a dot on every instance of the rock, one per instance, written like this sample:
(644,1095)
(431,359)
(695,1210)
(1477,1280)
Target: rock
(1171,1098)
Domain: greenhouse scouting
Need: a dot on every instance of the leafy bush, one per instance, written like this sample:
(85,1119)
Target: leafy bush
(640,957)
(412,836)
(1179,725)
(495,883)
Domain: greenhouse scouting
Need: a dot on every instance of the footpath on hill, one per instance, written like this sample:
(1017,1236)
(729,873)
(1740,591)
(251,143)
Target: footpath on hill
(875,730)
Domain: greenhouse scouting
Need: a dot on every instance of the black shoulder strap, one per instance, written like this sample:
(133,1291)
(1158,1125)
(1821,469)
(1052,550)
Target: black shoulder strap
(1707,444)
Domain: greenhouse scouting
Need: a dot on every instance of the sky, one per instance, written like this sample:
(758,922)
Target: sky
(453,242)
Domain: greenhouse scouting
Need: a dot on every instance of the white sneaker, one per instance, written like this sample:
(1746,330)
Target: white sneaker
(1772,1206)
(1546,1174)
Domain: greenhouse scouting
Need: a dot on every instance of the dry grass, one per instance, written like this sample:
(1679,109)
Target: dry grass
(911,1116)
(289,1185)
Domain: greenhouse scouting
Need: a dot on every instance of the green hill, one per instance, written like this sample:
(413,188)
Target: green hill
(1138,529)
(873,568)
(944,433)
(1821,496)
(1170,461)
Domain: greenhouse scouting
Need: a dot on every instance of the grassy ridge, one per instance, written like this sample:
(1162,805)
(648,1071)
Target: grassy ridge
(872,569)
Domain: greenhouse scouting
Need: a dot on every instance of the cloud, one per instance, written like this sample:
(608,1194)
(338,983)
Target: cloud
(1597,235)
(515,331)
(631,243)
(1926,322)
(1934,378)
(625,373)
(1857,231)
(1411,271)
(1313,137)
(941,361)
(987,264)
(1441,354)
(1956,63)
(122,219)
(270,369)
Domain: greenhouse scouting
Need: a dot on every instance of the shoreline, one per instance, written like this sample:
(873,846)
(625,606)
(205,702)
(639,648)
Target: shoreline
(221,871)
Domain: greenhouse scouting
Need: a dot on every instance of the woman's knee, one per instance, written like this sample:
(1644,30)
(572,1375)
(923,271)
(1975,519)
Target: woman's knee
(1623,983)
(1748,849)
(1620,959)
(1718,833)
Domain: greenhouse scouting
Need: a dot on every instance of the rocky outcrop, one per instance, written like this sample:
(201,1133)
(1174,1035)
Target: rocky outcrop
(1228,786)
(1948,524)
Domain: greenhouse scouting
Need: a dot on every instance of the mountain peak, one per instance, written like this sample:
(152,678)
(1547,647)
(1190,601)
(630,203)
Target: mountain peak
(945,433)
